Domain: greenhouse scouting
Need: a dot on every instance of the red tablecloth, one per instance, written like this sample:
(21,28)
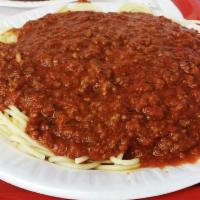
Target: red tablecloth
(8,192)
(190,10)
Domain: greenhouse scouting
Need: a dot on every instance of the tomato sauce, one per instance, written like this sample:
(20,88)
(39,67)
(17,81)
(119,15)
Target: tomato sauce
(100,84)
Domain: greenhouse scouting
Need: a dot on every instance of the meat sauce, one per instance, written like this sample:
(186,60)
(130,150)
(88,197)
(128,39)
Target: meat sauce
(99,84)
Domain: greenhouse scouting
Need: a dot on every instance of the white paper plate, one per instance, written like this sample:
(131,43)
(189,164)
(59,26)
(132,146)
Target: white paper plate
(39,176)
(35,4)
(30,4)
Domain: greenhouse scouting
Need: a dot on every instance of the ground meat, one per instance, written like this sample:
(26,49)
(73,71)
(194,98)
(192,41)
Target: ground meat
(99,84)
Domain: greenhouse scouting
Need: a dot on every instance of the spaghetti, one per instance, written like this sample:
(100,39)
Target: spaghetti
(106,108)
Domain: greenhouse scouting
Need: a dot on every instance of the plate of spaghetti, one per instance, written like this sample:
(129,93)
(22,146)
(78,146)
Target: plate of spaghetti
(30,3)
(99,101)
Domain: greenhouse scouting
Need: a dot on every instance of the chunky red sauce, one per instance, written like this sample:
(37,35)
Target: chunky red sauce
(96,84)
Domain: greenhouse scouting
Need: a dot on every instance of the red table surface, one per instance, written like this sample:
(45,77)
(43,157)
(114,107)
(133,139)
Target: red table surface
(191,10)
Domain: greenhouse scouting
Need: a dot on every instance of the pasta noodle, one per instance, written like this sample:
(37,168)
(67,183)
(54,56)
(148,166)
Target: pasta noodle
(130,7)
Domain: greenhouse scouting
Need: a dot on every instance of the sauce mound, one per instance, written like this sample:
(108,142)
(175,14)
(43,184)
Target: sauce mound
(100,84)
